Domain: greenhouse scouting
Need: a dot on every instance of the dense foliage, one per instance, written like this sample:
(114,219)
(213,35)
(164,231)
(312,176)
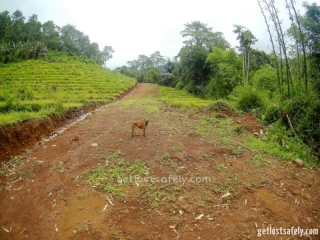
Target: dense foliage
(22,40)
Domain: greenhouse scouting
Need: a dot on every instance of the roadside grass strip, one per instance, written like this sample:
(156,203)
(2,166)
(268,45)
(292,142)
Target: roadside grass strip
(181,98)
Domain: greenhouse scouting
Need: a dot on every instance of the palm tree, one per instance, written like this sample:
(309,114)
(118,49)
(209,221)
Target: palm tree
(246,39)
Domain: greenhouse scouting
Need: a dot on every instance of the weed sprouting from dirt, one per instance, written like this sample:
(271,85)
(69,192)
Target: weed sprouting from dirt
(115,176)
(259,161)
(12,168)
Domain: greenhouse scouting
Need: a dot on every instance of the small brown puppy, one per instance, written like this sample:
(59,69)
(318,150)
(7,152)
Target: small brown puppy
(141,125)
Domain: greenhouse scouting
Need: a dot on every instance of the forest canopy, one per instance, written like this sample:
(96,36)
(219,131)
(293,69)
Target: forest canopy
(22,39)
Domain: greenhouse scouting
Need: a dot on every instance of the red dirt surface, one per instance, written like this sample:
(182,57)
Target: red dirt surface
(48,198)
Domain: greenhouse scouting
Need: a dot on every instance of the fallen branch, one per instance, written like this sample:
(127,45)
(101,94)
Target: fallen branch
(177,233)
(104,208)
(109,201)
(290,124)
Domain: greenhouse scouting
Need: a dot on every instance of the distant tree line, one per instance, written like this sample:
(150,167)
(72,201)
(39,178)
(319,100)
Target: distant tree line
(21,40)
(207,65)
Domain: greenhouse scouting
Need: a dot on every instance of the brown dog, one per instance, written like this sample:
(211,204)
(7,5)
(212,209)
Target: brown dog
(141,125)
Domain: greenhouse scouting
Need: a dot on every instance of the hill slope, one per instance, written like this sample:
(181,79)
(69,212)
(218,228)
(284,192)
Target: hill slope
(47,94)
(34,89)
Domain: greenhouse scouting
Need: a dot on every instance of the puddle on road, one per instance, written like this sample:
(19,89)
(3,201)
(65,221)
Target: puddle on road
(84,213)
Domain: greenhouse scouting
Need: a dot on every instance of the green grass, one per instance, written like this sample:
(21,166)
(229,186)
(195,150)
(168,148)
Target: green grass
(181,98)
(277,142)
(116,176)
(36,88)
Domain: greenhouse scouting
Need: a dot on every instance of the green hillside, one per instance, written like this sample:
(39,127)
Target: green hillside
(36,88)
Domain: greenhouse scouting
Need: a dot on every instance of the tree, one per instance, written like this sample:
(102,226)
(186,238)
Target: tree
(199,40)
(16,31)
(166,73)
(20,40)
(273,46)
(225,71)
(69,35)
(227,77)
(125,71)
(92,51)
(198,34)
(246,39)
(107,54)
(32,29)
(152,76)
(5,23)
(51,35)
(265,78)
(282,44)
(193,69)
(157,59)
(311,29)
(258,59)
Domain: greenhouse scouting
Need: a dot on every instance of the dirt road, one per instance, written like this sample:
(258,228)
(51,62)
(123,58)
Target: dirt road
(181,181)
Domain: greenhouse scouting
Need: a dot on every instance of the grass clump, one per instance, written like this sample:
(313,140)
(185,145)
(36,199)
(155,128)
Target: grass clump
(249,99)
(116,175)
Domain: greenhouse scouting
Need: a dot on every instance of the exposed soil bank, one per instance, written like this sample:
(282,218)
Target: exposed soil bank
(16,138)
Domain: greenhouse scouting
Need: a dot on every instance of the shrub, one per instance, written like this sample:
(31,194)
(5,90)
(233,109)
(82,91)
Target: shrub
(303,114)
(272,114)
(266,78)
(249,98)
(219,106)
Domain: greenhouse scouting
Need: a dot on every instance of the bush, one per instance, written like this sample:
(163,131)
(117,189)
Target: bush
(219,106)
(249,98)
(304,115)
(272,114)
(180,85)
(266,78)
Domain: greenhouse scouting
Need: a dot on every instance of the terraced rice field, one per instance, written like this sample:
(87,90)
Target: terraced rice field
(34,89)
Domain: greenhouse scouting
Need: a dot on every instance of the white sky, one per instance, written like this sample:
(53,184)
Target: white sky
(134,27)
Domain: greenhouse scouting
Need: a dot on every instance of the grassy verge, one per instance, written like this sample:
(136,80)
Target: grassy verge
(180,98)
(275,142)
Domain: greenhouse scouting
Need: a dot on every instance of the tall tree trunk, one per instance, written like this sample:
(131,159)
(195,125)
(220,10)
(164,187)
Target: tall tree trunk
(248,64)
(278,39)
(295,38)
(244,67)
(288,74)
(273,47)
(305,70)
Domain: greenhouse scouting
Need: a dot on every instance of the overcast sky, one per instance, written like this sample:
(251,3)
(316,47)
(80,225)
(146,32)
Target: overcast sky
(134,27)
